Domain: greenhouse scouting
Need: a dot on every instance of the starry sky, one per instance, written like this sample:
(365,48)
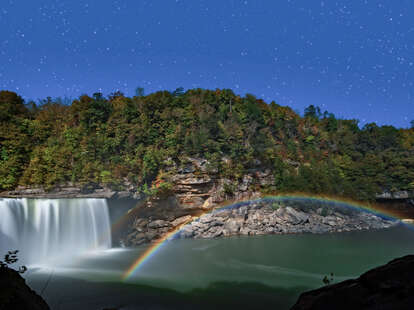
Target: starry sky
(352,58)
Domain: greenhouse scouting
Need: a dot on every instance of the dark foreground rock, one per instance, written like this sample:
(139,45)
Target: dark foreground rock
(253,218)
(16,295)
(387,287)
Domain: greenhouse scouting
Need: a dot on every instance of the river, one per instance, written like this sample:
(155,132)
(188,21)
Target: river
(254,272)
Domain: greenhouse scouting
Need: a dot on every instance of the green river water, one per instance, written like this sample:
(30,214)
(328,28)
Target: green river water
(228,273)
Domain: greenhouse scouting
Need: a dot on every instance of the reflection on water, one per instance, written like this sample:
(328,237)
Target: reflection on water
(192,271)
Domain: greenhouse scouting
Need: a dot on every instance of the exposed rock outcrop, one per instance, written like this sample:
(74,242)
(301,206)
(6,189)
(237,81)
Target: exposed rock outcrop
(195,185)
(16,295)
(396,195)
(387,287)
(66,191)
(254,218)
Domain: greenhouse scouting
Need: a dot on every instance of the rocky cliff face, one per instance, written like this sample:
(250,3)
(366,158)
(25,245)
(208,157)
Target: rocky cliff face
(16,295)
(195,185)
(387,287)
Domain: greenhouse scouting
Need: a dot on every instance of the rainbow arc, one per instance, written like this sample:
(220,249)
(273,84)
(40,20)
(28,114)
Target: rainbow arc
(157,245)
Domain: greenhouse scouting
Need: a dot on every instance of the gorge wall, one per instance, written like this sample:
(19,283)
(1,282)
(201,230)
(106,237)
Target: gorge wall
(194,186)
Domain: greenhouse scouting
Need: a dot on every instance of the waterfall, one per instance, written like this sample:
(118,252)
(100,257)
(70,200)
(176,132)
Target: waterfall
(46,230)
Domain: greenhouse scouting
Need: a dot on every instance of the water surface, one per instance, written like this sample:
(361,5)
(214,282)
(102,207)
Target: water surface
(238,272)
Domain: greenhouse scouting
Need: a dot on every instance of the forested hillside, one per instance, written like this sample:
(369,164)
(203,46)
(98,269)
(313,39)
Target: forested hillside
(109,140)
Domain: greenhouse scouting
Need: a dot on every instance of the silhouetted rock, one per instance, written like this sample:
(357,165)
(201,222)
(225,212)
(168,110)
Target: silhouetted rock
(387,287)
(16,295)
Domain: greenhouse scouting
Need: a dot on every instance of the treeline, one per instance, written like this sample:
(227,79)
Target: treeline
(115,139)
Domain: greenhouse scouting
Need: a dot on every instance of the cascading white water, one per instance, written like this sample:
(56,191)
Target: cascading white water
(46,230)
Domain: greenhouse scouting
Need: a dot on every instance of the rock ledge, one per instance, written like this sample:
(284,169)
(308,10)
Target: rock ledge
(387,287)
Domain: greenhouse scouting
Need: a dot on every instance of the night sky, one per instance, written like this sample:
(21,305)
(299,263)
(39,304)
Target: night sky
(353,58)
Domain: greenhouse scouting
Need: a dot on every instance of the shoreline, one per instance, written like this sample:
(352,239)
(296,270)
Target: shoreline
(156,242)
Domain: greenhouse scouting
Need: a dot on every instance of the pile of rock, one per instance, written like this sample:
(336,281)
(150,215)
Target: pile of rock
(261,218)
(255,218)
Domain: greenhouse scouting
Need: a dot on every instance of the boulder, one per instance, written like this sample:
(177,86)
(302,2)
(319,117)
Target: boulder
(158,224)
(189,202)
(187,231)
(232,226)
(292,216)
(199,163)
(151,234)
(246,182)
(181,220)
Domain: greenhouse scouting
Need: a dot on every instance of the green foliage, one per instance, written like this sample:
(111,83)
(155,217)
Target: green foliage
(111,139)
(313,112)
(160,190)
(11,258)
(328,280)
(139,92)
(228,189)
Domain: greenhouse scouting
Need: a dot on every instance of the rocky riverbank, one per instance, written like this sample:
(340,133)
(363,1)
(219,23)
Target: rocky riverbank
(258,217)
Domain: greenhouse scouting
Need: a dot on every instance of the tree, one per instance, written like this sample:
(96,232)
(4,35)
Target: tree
(313,112)
(9,259)
(178,92)
(11,106)
(118,139)
(412,124)
(139,92)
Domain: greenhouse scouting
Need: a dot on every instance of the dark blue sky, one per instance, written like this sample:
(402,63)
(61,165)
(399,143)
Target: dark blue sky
(353,58)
